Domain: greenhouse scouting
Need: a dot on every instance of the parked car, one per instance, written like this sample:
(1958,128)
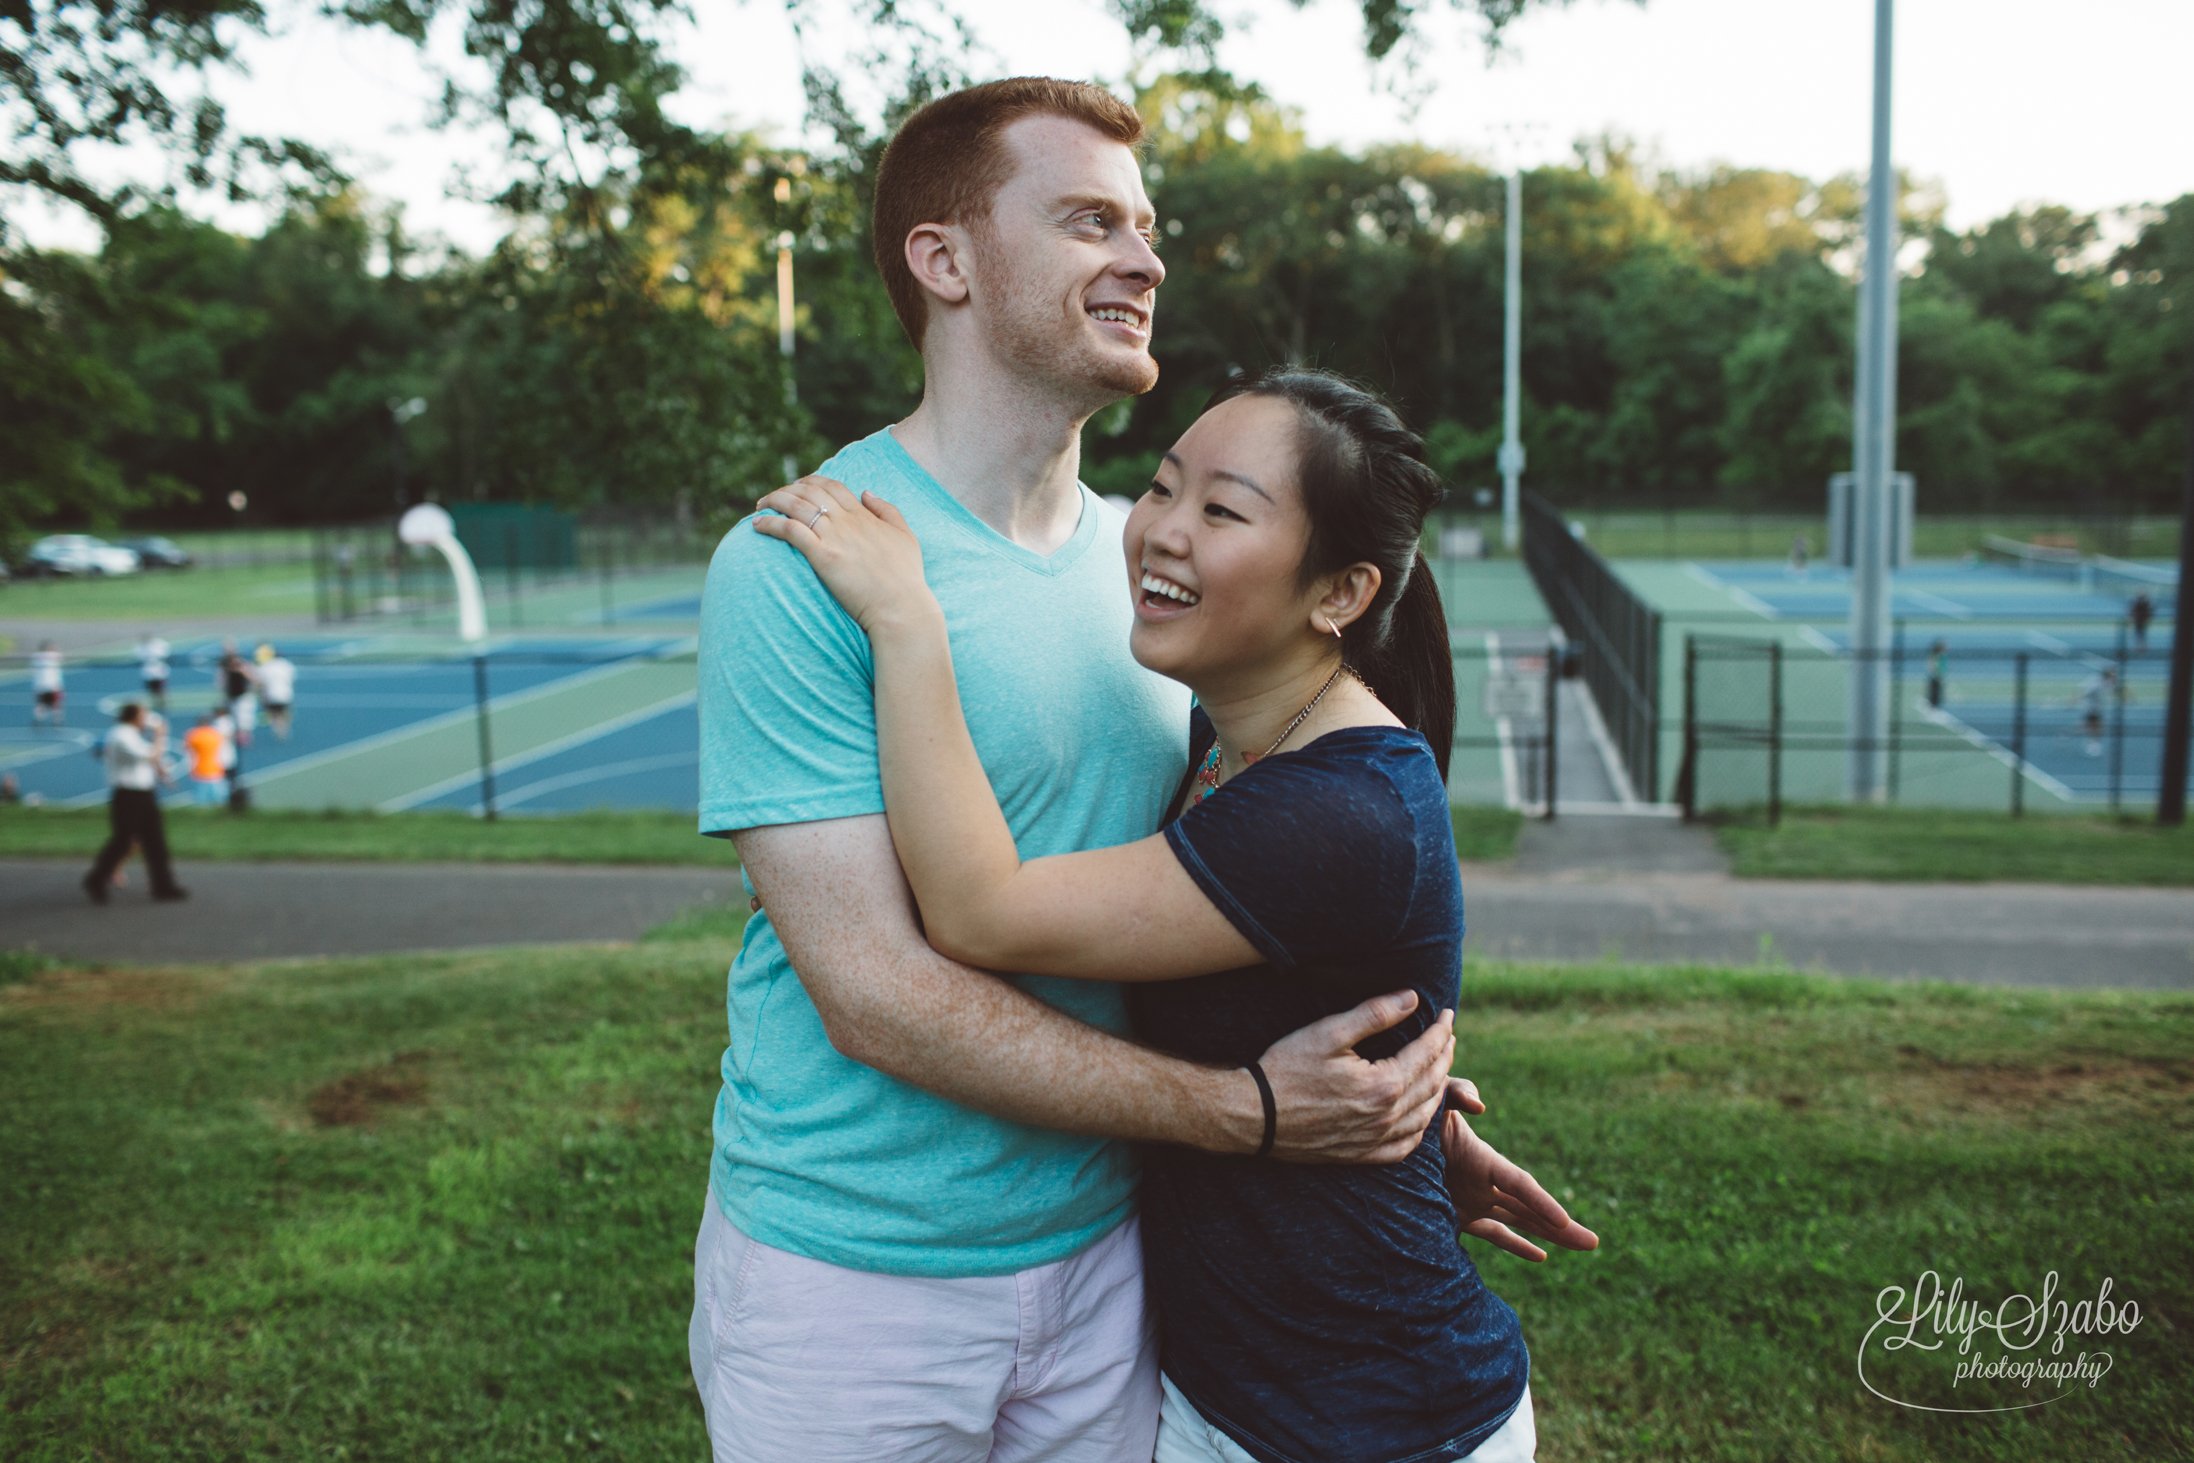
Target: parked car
(155,552)
(78,553)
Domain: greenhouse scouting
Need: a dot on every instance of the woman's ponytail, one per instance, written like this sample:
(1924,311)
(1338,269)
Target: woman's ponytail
(1413,671)
(1366,489)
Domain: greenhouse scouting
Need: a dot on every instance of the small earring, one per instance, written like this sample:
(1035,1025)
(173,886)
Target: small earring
(1336,629)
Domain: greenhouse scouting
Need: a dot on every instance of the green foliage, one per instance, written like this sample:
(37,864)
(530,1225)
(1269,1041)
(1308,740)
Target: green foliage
(441,1206)
(1685,336)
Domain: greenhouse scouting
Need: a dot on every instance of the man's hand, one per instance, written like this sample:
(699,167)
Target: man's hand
(1493,1197)
(1335,1107)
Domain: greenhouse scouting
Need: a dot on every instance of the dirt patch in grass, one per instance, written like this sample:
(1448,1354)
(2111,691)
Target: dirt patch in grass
(2013,1090)
(356,1100)
(95,986)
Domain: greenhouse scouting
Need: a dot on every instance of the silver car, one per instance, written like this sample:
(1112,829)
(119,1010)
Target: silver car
(79,553)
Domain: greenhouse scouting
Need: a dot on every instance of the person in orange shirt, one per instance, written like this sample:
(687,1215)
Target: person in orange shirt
(209,776)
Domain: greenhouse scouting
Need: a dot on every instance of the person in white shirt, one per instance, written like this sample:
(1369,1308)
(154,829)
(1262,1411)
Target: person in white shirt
(277,688)
(46,692)
(152,667)
(133,809)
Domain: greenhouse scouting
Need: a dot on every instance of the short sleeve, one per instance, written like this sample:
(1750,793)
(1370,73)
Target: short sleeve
(787,693)
(1312,856)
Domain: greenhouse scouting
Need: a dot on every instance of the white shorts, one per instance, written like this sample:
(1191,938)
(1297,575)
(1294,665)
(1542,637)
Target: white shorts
(1184,1436)
(801,1359)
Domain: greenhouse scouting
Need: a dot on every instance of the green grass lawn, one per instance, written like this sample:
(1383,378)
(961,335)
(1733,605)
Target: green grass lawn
(1843,842)
(442,1207)
(590,838)
(162,594)
(1485,835)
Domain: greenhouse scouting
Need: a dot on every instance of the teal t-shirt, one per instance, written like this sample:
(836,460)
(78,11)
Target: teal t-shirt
(816,1153)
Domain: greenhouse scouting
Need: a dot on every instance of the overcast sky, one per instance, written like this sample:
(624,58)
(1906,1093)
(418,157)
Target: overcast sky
(2001,101)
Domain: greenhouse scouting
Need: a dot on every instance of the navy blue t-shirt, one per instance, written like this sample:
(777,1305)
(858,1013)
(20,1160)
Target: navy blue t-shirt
(1319,1314)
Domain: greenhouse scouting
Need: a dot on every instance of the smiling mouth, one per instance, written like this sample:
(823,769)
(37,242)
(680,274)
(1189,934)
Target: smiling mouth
(1120,315)
(1159,592)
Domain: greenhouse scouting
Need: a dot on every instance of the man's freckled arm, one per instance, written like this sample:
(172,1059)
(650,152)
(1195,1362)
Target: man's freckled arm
(840,904)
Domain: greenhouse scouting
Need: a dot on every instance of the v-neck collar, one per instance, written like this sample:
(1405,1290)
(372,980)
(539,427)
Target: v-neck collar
(1052,565)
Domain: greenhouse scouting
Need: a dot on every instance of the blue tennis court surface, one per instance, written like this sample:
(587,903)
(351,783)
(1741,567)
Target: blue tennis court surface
(1952,591)
(372,730)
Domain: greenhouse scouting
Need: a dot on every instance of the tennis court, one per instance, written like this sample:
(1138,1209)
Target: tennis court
(391,722)
(2059,621)
(1952,591)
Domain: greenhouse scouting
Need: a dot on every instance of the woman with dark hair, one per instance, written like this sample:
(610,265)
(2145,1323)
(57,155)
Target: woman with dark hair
(1309,1313)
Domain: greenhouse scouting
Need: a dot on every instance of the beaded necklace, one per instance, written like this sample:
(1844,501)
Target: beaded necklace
(1207,776)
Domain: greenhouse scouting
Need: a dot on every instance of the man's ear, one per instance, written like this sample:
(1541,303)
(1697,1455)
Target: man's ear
(1347,595)
(938,254)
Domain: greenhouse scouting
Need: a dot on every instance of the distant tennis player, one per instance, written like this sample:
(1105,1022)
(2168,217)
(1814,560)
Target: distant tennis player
(277,688)
(48,691)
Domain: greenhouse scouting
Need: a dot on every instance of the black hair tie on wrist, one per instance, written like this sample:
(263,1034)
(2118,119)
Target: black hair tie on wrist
(1272,1109)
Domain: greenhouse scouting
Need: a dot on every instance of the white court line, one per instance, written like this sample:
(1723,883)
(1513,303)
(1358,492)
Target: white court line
(2049,643)
(535,754)
(1819,640)
(1937,603)
(1618,777)
(558,783)
(1995,749)
(1511,784)
(1744,599)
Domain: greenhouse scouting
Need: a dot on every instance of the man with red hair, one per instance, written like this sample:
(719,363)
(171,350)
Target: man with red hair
(920,1237)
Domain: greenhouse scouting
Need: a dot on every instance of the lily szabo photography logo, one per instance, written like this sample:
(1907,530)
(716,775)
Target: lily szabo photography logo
(2020,1353)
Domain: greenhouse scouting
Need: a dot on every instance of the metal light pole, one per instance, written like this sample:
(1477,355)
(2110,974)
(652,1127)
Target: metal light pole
(1511,458)
(784,317)
(1874,446)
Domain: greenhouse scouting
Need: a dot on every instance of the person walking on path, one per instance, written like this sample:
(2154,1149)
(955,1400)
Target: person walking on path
(277,688)
(209,758)
(133,810)
(152,669)
(47,691)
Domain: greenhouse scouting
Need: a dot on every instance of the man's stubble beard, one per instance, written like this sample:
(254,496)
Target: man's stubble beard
(1027,332)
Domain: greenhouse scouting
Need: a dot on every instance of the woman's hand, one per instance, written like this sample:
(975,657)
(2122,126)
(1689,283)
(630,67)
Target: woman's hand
(1492,1194)
(861,549)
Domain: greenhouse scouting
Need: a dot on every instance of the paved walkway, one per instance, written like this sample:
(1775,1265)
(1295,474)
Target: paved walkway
(270,911)
(1993,934)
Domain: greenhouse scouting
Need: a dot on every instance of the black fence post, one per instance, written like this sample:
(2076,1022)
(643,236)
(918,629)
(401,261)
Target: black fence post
(1775,734)
(1553,694)
(510,560)
(2018,738)
(487,749)
(2117,729)
(608,543)
(1687,778)
(1896,705)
